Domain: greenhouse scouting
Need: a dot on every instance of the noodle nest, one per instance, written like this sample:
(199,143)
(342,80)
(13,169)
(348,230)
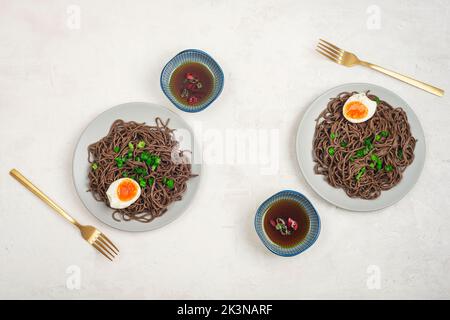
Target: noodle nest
(159,141)
(365,158)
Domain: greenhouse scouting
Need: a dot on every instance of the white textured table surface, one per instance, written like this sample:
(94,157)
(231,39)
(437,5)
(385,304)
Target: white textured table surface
(64,62)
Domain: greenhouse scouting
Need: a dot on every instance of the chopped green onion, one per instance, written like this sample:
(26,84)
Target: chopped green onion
(376,161)
(164,180)
(116,149)
(137,158)
(360,153)
(384,134)
(141,144)
(400,153)
(170,183)
(125,174)
(379,164)
(140,171)
(332,136)
(131,146)
(150,181)
(145,156)
(94,166)
(360,173)
(344,144)
(388,168)
(331,151)
(364,151)
(130,154)
(142,182)
(377,100)
(352,159)
(119,162)
(156,162)
(377,137)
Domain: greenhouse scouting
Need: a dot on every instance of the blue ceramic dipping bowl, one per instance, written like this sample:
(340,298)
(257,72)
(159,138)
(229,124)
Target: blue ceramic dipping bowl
(311,236)
(186,56)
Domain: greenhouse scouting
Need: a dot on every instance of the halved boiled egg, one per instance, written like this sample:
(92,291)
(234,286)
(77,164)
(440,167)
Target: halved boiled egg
(122,193)
(359,108)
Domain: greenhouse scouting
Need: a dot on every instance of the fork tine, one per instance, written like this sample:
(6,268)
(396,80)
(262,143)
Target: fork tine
(109,241)
(328,56)
(330,50)
(106,246)
(330,53)
(332,45)
(100,250)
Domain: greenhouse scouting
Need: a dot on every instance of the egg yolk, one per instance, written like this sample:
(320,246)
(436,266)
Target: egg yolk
(356,110)
(126,190)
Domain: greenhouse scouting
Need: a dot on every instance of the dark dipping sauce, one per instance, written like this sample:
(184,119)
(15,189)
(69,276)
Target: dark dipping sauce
(286,209)
(184,83)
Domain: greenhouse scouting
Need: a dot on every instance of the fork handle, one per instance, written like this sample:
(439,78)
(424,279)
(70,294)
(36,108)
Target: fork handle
(27,184)
(401,77)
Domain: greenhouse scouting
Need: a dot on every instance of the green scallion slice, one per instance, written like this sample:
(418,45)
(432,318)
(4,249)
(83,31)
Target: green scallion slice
(331,151)
(141,144)
(360,173)
(170,183)
(142,182)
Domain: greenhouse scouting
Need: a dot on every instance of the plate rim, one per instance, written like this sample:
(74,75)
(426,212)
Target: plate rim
(196,146)
(312,185)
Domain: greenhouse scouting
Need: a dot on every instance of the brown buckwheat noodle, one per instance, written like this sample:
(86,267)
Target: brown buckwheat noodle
(160,141)
(341,169)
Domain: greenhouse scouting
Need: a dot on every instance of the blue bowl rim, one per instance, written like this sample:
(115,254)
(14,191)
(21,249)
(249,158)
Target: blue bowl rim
(180,105)
(261,236)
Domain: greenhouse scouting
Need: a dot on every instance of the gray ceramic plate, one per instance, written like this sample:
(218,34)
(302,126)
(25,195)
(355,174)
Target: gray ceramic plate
(336,196)
(99,127)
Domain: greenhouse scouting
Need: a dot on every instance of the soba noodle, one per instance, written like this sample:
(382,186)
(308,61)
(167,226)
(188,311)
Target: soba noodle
(159,141)
(351,169)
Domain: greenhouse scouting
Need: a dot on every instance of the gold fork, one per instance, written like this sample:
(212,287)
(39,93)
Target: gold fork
(97,239)
(349,59)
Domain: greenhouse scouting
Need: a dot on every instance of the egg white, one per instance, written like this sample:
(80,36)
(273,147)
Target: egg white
(114,201)
(362,98)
